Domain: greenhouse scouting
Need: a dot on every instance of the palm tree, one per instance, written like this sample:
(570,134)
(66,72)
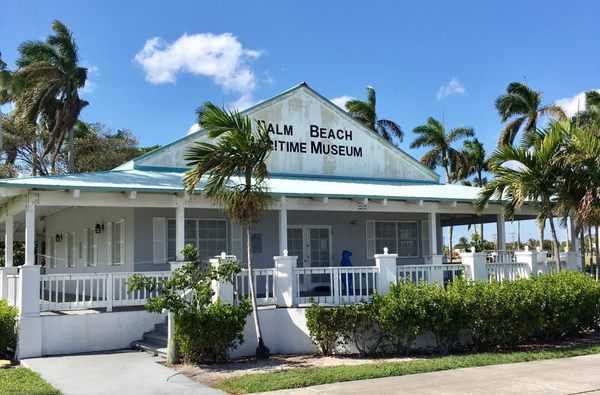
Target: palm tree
(433,134)
(526,175)
(237,173)
(523,105)
(49,76)
(476,164)
(364,112)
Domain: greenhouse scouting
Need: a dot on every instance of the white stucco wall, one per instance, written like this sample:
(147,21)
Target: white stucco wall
(69,334)
(284,331)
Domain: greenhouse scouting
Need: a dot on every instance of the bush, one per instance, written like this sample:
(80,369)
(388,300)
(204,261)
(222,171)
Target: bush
(401,316)
(483,315)
(204,330)
(206,335)
(326,327)
(8,328)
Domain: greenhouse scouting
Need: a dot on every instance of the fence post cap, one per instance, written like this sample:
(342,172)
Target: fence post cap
(285,252)
(472,249)
(385,250)
(526,248)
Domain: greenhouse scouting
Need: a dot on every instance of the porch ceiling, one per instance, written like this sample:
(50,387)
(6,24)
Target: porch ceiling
(470,219)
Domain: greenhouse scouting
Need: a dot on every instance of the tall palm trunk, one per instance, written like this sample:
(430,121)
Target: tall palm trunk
(591,246)
(262,351)
(597,252)
(481,235)
(556,251)
(582,242)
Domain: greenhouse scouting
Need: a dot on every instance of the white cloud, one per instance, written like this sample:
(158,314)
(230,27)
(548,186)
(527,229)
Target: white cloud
(221,57)
(452,87)
(341,101)
(572,105)
(194,128)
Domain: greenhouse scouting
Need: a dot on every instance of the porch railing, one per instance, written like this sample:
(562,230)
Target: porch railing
(92,290)
(429,273)
(335,284)
(12,291)
(507,271)
(264,285)
(500,256)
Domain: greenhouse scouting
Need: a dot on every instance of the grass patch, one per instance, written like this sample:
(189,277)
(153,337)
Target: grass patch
(24,381)
(304,377)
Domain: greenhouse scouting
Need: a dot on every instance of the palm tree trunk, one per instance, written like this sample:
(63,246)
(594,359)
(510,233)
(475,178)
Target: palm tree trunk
(591,245)
(556,251)
(582,242)
(481,235)
(597,251)
(262,351)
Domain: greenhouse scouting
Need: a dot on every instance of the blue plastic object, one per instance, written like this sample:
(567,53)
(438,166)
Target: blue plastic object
(347,283)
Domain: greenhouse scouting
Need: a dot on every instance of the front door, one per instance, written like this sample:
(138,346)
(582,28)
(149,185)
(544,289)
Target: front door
(312,245)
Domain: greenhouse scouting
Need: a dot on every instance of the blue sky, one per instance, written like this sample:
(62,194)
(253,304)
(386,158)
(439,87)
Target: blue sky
(424,58)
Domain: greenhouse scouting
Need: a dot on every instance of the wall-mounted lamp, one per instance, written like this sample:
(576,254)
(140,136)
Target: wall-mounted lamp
(58,237)
(99,228)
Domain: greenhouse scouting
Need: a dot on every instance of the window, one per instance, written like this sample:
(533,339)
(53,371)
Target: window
(117,243)
(208,235)
(400,238)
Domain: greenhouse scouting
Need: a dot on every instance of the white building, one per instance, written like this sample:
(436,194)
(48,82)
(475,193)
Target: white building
(336,185)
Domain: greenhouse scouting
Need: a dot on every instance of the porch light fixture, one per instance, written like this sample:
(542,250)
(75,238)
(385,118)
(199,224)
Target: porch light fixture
(58,237)
(99,228)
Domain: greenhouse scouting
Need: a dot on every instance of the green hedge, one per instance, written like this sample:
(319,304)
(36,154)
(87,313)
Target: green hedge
(8,328)
(480,315)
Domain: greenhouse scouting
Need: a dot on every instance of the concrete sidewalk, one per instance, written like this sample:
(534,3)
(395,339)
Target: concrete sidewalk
(119,372)
(556,376)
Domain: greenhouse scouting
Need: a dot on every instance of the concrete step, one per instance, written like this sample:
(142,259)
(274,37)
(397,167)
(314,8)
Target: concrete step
(156,349)
(161,328)
(156,337)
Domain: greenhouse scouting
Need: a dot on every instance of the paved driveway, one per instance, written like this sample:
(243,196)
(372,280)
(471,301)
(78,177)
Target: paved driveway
(579,375)
(120,372)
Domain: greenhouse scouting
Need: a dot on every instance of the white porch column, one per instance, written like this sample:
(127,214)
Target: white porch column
(387,271)
(283,224)
(530,258)
(8,241)
(433,233)
(285,279)
(30,233)
(501,230)
(475,264)
(179,228)
(30,322)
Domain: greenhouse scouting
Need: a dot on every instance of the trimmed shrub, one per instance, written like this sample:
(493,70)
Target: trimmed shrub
(401,316)
(208,333)
(8,328)
(326,326)
(482,315)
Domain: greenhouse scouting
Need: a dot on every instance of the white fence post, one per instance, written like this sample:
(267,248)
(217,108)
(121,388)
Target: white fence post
(109,292)
(222,289)
(284,279)
(386,263)
(530,259)
(571,259)
(30,323)
(476,264)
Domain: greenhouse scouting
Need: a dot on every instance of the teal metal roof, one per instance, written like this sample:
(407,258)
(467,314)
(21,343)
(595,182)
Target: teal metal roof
(171,182)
